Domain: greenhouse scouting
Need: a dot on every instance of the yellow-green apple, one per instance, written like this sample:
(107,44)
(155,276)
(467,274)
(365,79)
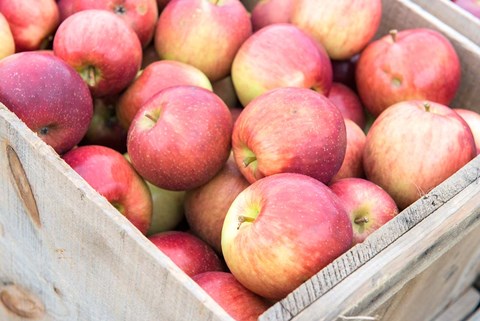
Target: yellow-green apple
(103,49)
(206,206)
(192,255)
(168,209)
(472,6)
(268,12)
(32,22)
(368,205)
(48,95)
(113,177)
(343,27)
(6,38)
(180,138)
(352,165)
(224,89)
(155,77)
(348,102)
(387,73)
(289,130)
(140,15)
(280,55)
(415,145)
(105,129)
(472,118)
(281,230)
(344,71)
(203,33)
(239,302)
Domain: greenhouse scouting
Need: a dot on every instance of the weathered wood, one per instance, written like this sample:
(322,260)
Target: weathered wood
(461,308)
(66,248)
(475,316)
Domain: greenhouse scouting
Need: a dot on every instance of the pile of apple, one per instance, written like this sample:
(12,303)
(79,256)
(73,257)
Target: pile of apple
(252,148)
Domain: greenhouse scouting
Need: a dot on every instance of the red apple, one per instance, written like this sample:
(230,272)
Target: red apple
(168,209)
(102,48)
(207,205)
(180,138)
(188,252)
(250,4)
(155,77)
(289,130)
(48,95)
(241,303)
(344,71)
(31,22)
(343,27)
(150,55)
(112,176)
(268,12)
(367,204)
(352,165)
(348,102)
(224,89)
(140,15)
(415,145)
(280,55)
(472,6)
(405,65)
(6,38)
(220,27)
(281,230)
(162,4)
(472,118)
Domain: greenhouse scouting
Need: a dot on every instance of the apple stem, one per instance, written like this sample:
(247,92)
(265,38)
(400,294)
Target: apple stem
(243,219)
(393,34)
(361,220)
(248,160)
(427,107)
(151,118)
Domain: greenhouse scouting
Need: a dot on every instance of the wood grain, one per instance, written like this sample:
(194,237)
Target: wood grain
(461,308)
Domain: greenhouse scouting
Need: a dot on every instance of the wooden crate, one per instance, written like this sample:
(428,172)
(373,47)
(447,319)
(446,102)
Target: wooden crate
(67,254)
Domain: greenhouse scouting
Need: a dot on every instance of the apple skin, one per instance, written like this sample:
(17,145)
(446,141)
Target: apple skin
(367,204)
(103,49)
(113,177)
(472,6)
(149,56)
(140,15)
(6,38)
(281,230)
(348,102)
(207,205)
(31,22)
(289,130)
(344,71)
(180,138)
(352,165)
(386,73)
(268,12)
(241,303)
(188,252)
(415,145)
(220,27)
(224,89)
(343,27)
(168,209)
(280,55)
(472,118)
(48,96)
(155,77)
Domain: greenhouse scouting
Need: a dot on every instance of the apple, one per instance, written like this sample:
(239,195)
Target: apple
(168,209)
(281,230)
(207,205)
(239,302)
(406,65)
(289,130)
(472,6)
(415,145)
(344,71)
(250,4)
(472,118)
(155,77)
(113,177)
(103,49)
(6,38)
(31,22)
(162,4)
(180,138)
(105,129)
(48,96)
(140,15)
(352,165)
(224,89)
(188,252)
(367,204)
(348,102)
(149,56)
(268,12)
(220,27)
(343,27)
(280,55)
(235,111)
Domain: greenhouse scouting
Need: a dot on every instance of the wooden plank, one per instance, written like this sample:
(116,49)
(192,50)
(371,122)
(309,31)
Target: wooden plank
(80,259)
(461,308)
(475,316)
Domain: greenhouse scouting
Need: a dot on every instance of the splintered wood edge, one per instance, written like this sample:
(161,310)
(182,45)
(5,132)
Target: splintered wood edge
(12,126)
